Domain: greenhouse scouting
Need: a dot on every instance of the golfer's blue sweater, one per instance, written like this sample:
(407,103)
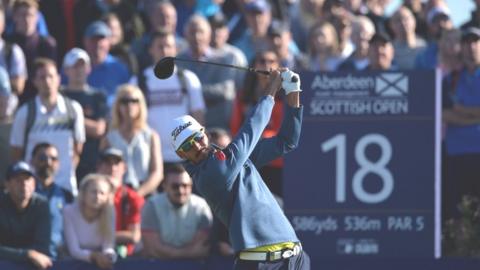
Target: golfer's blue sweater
(231,184)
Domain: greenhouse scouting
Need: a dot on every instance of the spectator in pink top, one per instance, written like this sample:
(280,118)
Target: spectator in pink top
(89,223)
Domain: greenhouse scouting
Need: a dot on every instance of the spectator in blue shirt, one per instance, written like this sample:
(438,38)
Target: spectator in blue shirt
(258,17)
(461,111)
(108,72)
(45,163)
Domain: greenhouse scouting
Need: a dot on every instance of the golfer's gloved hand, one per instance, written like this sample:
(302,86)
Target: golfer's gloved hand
(290,82)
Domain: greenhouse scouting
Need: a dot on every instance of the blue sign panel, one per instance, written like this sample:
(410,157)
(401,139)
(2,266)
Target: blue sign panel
(365,179)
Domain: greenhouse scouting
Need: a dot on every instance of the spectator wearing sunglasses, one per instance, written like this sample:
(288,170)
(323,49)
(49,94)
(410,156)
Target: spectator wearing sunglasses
(176,223)
(139,144)
(45,164)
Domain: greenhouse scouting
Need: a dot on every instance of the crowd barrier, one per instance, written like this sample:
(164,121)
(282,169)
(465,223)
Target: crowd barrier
(220,263)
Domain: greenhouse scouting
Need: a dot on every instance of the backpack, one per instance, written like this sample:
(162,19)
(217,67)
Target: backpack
(31,115)
(142,84)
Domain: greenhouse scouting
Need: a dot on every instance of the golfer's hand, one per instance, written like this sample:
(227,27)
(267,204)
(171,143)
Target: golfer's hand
(290,81)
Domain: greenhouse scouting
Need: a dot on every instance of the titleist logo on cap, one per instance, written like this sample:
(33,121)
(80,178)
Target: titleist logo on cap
(179,129)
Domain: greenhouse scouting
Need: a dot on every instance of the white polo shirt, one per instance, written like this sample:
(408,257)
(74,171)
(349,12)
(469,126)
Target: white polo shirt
(168,102)
(52,127)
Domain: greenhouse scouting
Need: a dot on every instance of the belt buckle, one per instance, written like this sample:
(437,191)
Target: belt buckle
(287,253)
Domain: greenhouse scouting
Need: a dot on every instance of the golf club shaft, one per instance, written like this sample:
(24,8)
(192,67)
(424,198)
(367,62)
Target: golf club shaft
(264,72)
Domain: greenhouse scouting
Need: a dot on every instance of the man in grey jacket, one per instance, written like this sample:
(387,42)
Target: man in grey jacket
(228,179)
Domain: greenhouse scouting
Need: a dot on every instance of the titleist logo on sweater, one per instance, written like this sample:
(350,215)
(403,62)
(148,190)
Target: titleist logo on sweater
(179,129)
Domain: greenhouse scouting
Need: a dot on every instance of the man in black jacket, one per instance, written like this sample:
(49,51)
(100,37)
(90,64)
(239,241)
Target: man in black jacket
(24,219)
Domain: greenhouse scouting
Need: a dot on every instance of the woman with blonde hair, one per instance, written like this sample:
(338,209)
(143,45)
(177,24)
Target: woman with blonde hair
(323,49)
(139,144)
(89,222)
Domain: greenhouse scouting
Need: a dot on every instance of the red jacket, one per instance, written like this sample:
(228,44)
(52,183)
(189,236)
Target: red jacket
(128,209)
(241,110)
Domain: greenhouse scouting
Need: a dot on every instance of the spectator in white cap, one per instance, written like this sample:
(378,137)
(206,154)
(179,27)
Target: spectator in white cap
(108,72)
(438,21)
(8,104)
(76,66)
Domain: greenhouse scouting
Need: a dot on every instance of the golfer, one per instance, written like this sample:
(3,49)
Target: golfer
(228,179)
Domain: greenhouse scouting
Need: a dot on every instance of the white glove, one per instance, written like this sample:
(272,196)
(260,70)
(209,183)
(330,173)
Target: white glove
(287,84)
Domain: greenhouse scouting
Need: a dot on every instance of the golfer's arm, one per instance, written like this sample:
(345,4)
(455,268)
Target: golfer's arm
(293,99)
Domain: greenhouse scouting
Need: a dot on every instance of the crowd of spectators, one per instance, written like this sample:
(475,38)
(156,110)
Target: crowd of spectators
(86,166)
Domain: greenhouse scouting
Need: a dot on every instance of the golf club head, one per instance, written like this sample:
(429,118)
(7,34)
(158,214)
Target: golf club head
(164,68)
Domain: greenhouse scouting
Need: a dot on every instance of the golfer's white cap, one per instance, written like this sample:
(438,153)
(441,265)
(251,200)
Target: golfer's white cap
(182,128)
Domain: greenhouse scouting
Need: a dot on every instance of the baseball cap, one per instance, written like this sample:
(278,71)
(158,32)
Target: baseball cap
(5,88)
(277,28)
(111,152)
(217,20)
(257,6)
(182,128)
(437,12)
(19,168)
(98,29)
(380,37)
(74,55)
(471,34)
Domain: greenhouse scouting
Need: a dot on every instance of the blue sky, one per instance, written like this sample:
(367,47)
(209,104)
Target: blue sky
(460,9)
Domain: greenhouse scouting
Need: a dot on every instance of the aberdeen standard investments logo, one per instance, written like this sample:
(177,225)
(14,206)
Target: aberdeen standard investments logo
(360,94)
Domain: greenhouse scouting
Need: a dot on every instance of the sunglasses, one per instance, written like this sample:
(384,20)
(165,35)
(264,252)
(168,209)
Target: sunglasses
(45,157)
(126,101)
(187,145)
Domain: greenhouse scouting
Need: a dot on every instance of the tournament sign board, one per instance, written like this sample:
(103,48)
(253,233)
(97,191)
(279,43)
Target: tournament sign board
(365,179)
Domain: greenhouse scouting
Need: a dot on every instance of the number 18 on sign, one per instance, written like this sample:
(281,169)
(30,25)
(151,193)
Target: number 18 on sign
(365,178)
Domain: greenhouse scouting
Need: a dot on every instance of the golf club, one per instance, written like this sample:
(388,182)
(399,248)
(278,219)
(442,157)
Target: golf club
(164,67)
